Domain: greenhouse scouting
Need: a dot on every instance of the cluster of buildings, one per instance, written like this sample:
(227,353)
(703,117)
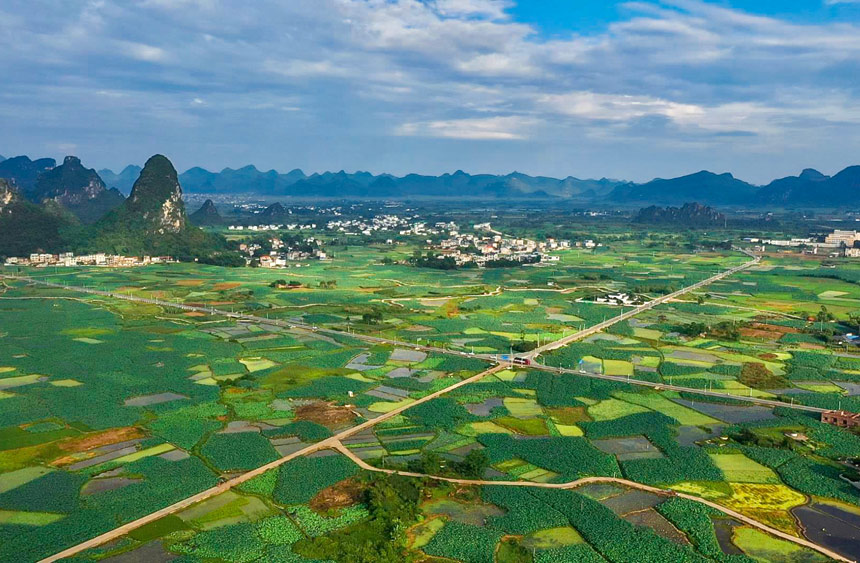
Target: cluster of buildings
(378,223)
(481,248)
(620,299)
(283,254)
(289,227)
(836,244)
(68,259)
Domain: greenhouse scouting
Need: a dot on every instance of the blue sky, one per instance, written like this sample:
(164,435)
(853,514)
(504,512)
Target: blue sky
(635,90)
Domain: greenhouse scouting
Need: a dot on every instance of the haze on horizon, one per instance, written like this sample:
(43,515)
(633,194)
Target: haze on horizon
(630,90)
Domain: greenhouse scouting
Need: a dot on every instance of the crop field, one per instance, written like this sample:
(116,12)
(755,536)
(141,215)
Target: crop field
(478,523)
(110,410)
(485,311)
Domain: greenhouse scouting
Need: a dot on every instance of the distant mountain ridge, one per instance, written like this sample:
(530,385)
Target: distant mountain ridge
(250,180)
(809,189)
(122,181)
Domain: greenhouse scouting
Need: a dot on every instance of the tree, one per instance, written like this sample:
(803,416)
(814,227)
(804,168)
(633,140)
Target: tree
(473,465)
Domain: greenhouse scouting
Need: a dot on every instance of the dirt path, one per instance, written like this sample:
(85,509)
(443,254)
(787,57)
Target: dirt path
(227,485)
(590,480)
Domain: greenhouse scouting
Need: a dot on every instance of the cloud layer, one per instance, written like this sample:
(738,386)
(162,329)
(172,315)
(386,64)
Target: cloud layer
(433,85)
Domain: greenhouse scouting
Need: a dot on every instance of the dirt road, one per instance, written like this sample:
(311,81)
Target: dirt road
(590,480)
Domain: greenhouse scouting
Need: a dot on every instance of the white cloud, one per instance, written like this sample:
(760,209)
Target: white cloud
(451,69)
(499,128)
(143,52)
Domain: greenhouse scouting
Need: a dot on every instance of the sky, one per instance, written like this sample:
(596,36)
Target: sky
(631,90)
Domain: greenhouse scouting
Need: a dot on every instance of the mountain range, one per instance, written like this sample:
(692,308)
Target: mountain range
(78,190)
(38,214)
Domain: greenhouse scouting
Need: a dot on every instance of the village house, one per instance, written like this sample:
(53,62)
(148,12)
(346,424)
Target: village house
(842,419)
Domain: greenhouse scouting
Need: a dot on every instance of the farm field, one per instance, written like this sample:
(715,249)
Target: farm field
(110,410)
(323,507)
(484,311)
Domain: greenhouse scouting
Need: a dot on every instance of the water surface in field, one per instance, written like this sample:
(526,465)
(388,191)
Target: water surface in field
(832,527)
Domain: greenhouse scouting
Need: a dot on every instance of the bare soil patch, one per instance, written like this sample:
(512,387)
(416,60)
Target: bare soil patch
(327,414)
(339,495)
(101,439)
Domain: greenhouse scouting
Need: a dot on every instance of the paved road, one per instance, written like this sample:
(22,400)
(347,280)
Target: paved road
(227,485)
(589,480)
(562,342)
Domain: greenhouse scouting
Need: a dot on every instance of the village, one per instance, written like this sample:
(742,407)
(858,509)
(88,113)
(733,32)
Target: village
(68,260)
(486,245)
(839,243)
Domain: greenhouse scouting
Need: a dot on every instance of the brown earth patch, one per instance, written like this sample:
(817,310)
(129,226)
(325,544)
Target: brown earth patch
(776,328)
(809,346)
(225,285)
(327,414)
(189,283)
(339,495)
(194,314)
(221,303)
(553,310)
(759,334)
(100,439)
(768,356)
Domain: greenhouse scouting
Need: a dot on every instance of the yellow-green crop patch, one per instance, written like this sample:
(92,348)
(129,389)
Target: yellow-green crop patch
(764,547)
(659,403)
(522,408)
(19,518)
(647,333)
(20,381)
(13,479)
(610,409)
(66,383)
(617,367)
(154,450)
(569,430)
(552,538)
(257,364)
(739,468)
